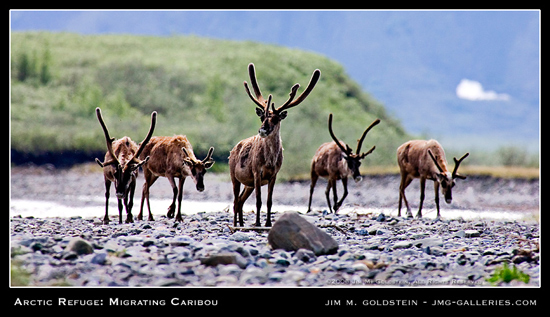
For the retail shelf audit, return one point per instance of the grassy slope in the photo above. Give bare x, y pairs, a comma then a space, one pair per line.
195, 84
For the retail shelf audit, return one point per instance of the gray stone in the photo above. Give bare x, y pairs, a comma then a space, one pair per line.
402, 245
239, 237
381, 232
224, 259
362, 232
100, 258
372, 230
181, 241
428, 242
305, 255
471, 233
79, 246
459, 234
292, 232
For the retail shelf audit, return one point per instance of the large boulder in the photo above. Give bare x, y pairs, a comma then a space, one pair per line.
292, 232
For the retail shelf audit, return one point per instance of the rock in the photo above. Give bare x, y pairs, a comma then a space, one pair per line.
305, 255
181, 241
393, 222
239, 237
292, 232
459, 234
79, 246
437, 251
224, 259
372, 230
428, 242
362, 232
381, 232
148, 243
381, 217
100, 258
471, 233
402, 245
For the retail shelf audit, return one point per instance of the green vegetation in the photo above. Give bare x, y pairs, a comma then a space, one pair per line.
19, 276
506, 274
195, 84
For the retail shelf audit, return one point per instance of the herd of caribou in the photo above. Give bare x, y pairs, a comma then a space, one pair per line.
255, 162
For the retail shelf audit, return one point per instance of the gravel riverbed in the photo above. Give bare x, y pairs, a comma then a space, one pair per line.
204, 251
375, 249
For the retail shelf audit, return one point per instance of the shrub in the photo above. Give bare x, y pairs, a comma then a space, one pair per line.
505, 274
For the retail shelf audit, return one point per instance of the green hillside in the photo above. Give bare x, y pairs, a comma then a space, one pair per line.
196, 86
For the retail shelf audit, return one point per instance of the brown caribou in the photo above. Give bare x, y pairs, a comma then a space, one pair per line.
426, 160
335, 162
172, 157
255, 161
121, 166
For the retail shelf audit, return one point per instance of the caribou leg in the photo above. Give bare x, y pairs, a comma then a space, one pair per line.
314, 178
436, 190
270, 187
345, 184
172, 208
107, 195
129, 203
180, 196
422, 194
150, 179
247, 191
258, 188
327, 194
405, 181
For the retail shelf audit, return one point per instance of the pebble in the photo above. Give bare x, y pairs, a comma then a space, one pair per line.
374, 250
402, 245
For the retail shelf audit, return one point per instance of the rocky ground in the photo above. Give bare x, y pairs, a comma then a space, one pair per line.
204, 251
374, 249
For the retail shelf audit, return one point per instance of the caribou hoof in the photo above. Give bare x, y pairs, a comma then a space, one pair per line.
171, 212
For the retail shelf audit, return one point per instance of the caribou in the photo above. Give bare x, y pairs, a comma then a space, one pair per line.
426, 160
334, 161
255, 161
121, 166
172, 157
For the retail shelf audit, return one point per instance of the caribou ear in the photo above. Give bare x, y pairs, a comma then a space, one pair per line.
283, 114
186, 159
188, 162
260, 112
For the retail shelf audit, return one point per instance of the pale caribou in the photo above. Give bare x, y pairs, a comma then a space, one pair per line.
255, 161
426, 160
172, 157
335, 162
121, 166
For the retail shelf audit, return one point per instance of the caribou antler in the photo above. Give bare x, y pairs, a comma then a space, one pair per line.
435, 161
360, 141
457, 163
108, 140
290, 103
146, 140
259, 99
346, 150
209, 155
261, 102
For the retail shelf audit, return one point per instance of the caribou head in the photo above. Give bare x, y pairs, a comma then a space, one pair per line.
353, 160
